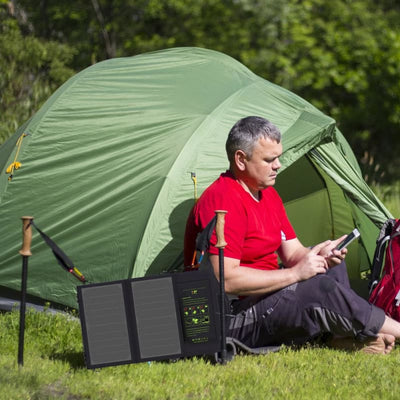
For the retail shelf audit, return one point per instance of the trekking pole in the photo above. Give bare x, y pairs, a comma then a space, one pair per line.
219, 230
25, 253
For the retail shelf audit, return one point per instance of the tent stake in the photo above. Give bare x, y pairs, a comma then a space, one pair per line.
219, 230
25, 253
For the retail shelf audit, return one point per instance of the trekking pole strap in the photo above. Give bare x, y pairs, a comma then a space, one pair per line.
62, 259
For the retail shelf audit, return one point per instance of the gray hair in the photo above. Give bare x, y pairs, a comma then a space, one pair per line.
246, 133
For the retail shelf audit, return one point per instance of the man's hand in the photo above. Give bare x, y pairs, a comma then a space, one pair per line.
312, 263
332, 256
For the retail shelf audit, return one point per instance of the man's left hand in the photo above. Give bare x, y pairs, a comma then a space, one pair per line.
333, 257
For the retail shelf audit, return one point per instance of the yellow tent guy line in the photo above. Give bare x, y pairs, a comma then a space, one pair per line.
194, 179
15, 164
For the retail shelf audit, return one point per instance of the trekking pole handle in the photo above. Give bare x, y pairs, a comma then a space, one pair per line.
26, 236
219, 229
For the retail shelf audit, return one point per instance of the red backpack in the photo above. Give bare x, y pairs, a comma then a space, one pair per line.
385, 287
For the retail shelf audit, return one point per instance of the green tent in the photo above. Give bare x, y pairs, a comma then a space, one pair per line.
107, 163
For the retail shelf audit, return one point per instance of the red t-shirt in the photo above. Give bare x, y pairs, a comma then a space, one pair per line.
253, 230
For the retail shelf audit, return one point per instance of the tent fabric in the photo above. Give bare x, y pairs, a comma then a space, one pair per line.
106, 167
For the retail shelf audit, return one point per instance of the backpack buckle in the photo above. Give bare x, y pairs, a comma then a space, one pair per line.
397, 298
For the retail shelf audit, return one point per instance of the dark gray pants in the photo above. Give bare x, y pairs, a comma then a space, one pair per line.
304, 311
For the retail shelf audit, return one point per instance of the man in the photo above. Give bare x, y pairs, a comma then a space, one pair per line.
311, 296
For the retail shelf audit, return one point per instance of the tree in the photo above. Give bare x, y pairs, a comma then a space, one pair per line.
343, 57
340, 55
30, 70
102, 29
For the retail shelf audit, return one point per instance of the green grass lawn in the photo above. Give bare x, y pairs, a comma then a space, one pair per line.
54, 369
390, 196
54, 366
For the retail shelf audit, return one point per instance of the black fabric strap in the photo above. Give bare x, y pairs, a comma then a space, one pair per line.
60, 256
379, 255
203, 238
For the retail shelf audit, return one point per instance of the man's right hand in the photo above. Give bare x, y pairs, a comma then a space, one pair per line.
312, 263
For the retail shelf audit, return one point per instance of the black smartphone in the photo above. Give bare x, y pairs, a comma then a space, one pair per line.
348, 239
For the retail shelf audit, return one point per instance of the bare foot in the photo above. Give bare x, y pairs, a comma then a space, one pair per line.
374, 345
389, 341
382, 344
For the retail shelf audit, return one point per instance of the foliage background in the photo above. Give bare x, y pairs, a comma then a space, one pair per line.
341, 55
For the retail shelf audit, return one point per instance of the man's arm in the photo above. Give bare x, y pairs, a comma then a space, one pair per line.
303, 263
293, 252
248, 281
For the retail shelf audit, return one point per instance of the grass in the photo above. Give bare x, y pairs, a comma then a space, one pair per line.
54, 369
54, 366
390, 196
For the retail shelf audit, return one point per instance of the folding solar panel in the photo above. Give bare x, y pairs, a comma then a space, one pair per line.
162, 317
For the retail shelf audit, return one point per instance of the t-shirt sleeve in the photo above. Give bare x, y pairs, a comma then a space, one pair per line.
235, 221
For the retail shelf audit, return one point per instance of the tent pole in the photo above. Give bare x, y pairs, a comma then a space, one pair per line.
25, 253
219, 230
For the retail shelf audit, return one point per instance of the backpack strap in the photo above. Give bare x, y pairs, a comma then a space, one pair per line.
376, 268
395, 233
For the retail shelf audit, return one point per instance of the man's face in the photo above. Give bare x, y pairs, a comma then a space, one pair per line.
262, 168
